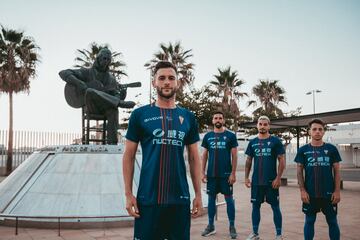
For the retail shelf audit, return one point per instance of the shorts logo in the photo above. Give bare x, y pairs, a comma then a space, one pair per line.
158, 132
181, 119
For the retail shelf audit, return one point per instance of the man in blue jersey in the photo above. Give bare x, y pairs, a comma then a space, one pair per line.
220, 150
320, 190
265, 150
162, 206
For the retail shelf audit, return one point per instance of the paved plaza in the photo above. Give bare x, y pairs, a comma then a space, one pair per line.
293, 218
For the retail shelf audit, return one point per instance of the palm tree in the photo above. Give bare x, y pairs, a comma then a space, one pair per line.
175, 54
269, 94
18, 59
228, 83
86, 58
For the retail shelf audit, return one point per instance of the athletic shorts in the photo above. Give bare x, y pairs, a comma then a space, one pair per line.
320, 204
260, 194
217, 185
159, 222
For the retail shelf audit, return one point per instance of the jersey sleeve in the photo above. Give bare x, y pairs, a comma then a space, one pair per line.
193, 135
249, 150
204, 142
279, 147
335, 155
300, 157
134, 133
234, 142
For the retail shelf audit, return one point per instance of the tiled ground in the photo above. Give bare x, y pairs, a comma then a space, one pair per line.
349, 219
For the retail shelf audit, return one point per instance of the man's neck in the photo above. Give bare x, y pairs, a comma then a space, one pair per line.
165, 102
219, 130
317, 143
263, 135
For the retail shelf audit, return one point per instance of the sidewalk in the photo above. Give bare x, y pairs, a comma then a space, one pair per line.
293, 219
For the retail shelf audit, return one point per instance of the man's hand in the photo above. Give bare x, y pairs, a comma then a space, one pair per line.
204, 178
232, 178
305, 196
276, 183
247, 182
197, 207
131, 206
335, 197
82, 86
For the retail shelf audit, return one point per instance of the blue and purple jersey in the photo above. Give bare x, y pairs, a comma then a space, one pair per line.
318, 164
219, 146
163, 134
264, 153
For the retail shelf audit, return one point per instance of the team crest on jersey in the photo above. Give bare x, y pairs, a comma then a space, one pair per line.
181, 119
224, 137
268, 143
326, 151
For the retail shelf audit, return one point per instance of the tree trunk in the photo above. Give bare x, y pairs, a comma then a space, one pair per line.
9, 160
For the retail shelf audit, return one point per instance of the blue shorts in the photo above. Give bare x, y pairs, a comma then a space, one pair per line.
159, 222
320, 204
217, 185
267, 193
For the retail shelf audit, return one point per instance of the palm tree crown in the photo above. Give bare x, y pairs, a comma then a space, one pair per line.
269, 94
86, 58
175, 54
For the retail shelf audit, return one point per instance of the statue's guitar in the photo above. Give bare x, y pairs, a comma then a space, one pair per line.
76, 97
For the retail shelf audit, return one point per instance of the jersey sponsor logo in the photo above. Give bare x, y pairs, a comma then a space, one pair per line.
262, 152
157, 118
217, 145
170, 137
158, 132
318, 161
181, 119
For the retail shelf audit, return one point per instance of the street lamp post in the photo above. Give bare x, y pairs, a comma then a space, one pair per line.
313, 91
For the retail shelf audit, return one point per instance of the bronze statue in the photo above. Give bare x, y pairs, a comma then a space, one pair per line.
97, 90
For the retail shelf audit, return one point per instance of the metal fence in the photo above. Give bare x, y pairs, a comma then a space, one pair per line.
26, 142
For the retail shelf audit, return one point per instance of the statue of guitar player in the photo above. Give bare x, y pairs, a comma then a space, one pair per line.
97, 90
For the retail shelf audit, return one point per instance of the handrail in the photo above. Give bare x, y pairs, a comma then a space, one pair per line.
17, 217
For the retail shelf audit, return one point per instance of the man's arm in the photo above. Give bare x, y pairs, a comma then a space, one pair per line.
128, 173
248, 164
335, 198
68, 76
204, 157
234, 158
300, 176
282, 164
195, 172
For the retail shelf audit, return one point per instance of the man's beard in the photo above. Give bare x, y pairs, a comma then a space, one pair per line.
167, 96
263, 131
218, 125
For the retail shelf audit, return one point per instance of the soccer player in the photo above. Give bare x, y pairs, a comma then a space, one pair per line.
265, 150
320, 191
220, 150
162, 206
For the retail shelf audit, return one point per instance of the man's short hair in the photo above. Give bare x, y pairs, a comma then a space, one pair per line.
318, 121
218, 112
263, 117
164, 64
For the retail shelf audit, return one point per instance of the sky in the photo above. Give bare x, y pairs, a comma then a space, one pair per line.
304, 44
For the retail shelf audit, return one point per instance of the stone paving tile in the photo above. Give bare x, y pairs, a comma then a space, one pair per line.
293, 220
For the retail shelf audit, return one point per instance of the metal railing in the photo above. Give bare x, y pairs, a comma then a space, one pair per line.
58, 218
26, 142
